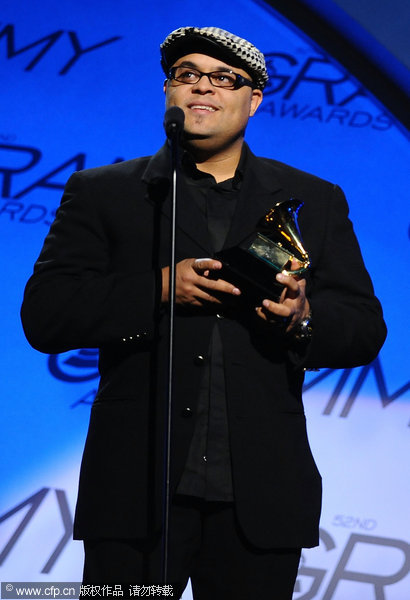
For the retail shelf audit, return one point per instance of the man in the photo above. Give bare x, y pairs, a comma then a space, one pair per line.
245, 492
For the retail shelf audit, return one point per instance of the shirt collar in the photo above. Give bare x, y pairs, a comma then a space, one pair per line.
200, 177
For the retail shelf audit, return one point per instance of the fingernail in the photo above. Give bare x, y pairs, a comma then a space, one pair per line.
266, 303
280, 276
236, 291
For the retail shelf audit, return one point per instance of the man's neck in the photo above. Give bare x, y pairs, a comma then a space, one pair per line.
221, 165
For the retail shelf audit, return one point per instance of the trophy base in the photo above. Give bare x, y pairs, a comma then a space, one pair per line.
252, 275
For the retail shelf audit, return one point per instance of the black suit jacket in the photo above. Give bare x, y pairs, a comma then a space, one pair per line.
97, 284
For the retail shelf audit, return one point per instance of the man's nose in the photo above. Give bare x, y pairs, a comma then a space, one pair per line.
203, 86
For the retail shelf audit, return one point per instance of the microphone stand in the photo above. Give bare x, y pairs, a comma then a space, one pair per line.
173, 129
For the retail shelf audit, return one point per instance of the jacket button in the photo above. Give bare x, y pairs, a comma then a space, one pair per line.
220, 316
199, 360
186, 412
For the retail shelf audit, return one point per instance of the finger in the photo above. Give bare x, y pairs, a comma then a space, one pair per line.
280, 310
290, 282
213, 293
261, 313
203, 264
294, 266
203, 297
217, 285
270, 317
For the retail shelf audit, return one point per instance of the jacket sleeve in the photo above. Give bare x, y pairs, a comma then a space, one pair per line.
348, 325
75, 298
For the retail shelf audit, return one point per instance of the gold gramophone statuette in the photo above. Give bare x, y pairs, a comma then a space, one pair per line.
279, 241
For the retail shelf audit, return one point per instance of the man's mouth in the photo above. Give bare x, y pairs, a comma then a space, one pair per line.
202, 107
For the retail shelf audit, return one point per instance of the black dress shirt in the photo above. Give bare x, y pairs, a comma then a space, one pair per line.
208, 472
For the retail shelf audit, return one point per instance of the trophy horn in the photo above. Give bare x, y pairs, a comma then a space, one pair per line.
279, 240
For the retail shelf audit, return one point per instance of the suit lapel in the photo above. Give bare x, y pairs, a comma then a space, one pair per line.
190, 220
259, 192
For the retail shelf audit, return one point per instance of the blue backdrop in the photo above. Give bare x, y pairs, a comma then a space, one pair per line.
82, 86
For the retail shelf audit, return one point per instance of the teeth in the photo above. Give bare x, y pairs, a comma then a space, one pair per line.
200, 106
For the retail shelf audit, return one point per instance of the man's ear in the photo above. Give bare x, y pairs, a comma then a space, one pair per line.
257, 97
165, 86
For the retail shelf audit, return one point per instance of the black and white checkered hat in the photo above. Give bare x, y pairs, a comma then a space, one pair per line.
218, 43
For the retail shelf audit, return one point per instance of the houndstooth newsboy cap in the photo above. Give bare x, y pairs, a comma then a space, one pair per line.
218, 43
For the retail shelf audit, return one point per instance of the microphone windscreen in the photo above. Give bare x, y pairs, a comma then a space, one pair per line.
174, 121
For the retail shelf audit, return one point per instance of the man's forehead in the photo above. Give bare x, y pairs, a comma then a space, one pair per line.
198, 61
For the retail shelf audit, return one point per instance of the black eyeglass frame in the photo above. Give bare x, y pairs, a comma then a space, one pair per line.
241, 81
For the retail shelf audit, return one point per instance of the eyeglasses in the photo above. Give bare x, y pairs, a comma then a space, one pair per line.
224, 79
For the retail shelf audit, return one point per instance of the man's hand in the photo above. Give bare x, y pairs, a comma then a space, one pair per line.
293, 305
192, 283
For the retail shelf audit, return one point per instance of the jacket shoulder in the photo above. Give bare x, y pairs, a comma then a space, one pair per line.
287, 173
134, 166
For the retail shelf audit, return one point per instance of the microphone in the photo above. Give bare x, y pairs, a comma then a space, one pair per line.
174, 122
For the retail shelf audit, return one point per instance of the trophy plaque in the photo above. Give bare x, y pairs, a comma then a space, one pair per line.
277, 243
